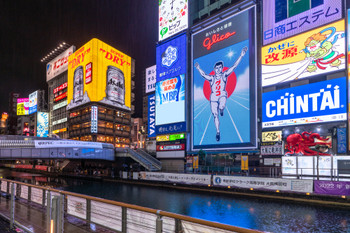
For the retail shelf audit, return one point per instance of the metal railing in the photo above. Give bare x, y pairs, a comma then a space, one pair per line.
69, 212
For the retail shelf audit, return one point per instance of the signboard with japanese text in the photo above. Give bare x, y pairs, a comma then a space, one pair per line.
170, 100
151, 116
22, 106
170, 86
271, 136
173, 17
151, 77
59, 64
42, 128
286, 18
171, 58
33, 102
94, 119
317, 103
97, 72
271, 148
315, 52
224, 84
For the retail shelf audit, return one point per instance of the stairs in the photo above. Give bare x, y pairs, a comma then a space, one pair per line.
143, 158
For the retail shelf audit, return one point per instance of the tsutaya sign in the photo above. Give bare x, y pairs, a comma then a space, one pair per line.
318, 102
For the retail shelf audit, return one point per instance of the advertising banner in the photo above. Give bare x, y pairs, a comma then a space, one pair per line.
171, 128
151, 116
66, 143
151, 77
60, 105
264, 183
24, 192
172, 147
42, 126
33, 102
315, 52
341, 141
94, 119
271, 148
223, 85
98, 72
332, 187
317, 103
271, 136
171, 58
22, 106
170, 86
285, 18
170, 100
173, 17
176, 178
59, 64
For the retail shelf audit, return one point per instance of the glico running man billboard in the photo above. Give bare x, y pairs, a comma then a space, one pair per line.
224, 84
170, 86
315, 52
285, 18
315, 103
98, 72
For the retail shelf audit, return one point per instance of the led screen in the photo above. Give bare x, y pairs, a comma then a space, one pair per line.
223, 85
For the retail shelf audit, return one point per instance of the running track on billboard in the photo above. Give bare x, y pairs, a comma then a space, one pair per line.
233, 127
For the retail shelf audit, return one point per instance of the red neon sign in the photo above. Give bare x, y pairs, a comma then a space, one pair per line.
61, 87
64, 95
208, 42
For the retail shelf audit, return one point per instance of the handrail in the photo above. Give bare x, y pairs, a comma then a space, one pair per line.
136, 156
159, 164
144, 209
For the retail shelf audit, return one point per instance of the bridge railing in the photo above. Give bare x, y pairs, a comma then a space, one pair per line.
71, 212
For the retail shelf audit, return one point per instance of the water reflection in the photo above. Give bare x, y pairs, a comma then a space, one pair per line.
265, 215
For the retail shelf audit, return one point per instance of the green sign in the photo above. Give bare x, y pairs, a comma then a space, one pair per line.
175, 137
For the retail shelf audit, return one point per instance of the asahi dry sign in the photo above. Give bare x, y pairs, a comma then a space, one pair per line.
98, 72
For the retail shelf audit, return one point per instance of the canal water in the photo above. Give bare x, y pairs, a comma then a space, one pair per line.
264, 215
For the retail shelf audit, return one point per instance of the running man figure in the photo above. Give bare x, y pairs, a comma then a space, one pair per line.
218, 94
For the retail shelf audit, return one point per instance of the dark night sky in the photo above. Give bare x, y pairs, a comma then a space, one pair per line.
30, 29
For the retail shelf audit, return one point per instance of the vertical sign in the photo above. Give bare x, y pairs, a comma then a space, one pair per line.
223, 85
151, 116
244, 163
33, 102
173, 17
151, 79
42, 128
341, 140
94, 118
170, 86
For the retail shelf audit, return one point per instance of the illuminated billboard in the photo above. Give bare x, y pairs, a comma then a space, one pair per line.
317, 103
22, 106
42, 127
286, 18
224, 84
170, 86
151, 116
59, 64
98, 72
315, 52
151, 76
173, 17
33, 102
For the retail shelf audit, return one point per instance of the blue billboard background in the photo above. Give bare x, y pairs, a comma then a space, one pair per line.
151, 116
235, 121
319, 99
171, 58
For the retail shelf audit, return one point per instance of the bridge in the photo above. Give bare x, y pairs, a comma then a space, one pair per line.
13, 147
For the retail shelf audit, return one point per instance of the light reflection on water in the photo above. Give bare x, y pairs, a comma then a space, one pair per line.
264, 215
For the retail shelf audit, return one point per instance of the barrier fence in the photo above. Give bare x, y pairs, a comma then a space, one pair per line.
59, 207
